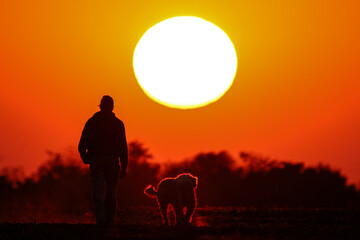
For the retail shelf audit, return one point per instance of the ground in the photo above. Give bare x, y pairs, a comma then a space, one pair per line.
208, 223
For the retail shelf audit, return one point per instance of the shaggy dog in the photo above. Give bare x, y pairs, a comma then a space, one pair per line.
178, 192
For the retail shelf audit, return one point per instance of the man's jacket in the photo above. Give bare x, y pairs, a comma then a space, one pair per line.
104, 134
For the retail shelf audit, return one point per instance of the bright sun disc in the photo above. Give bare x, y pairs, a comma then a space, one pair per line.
185, 62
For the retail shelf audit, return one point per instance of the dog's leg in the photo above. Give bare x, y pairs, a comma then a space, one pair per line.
189, 210
163, 210
179, 214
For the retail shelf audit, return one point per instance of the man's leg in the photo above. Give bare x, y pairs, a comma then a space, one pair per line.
97, 185
111, 178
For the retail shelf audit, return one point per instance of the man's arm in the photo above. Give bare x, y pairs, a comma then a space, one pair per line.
84, 144
123, 149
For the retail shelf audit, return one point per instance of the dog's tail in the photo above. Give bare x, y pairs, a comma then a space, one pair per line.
150, 191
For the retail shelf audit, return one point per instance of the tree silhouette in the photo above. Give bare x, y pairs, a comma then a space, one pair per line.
261, 182
264, 182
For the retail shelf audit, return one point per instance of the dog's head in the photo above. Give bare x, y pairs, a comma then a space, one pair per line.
187, 177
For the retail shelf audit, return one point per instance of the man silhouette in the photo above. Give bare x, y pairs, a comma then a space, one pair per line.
102, 143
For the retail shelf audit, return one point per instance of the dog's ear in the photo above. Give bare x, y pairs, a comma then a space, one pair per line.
195, 181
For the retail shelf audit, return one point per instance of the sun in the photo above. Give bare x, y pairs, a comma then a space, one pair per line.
185, 62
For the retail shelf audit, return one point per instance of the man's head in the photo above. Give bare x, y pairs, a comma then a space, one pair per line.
107, 103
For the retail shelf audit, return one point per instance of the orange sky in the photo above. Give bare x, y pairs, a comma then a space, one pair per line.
295, 96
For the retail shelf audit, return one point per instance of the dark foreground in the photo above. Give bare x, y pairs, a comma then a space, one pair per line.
208, 223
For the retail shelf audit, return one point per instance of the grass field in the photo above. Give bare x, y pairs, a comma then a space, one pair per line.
208, 223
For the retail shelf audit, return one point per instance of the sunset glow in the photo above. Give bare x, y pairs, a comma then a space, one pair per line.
185, 62
295, 95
